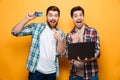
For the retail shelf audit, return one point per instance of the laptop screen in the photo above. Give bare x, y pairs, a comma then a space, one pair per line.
82, 49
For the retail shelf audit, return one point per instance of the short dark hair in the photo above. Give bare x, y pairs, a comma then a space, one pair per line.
77, 8
53, 8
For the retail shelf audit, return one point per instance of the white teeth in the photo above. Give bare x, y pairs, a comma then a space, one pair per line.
78, 21
52, 21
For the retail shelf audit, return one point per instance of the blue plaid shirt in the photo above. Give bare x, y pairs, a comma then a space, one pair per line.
35, 30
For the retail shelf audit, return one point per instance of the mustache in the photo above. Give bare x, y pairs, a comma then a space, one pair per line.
53, 20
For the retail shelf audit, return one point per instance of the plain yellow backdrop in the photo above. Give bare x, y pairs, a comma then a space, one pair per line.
104, 15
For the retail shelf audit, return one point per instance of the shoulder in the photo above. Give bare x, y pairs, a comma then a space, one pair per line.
90, 28
38, 26
72, 31
41, 24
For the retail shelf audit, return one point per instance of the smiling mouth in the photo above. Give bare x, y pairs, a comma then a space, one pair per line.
79, 21
53, 21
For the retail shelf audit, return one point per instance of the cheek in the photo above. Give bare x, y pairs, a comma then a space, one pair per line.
56, 18
74, 20
82, 18
48, 18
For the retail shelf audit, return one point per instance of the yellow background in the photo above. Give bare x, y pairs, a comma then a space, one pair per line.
104, 15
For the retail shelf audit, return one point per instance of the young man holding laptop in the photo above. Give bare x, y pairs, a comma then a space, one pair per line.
83, 69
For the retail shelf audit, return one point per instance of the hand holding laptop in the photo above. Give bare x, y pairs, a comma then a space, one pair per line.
86, 59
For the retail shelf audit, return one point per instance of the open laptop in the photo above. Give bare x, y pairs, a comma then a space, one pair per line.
82, 49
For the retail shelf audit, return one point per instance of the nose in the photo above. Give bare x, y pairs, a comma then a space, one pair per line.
79, 17
53, 17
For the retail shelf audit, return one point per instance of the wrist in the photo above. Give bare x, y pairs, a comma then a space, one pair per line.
60, 40
26, 20
74, 41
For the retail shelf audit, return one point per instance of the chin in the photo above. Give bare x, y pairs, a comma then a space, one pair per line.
79, 27
53, 26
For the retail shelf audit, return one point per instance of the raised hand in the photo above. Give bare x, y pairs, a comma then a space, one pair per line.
30, 15
75, 37
57, 35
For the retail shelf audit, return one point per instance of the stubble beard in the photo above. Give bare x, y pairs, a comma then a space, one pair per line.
52, 26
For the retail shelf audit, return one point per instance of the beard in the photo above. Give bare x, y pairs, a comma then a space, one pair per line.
52, 25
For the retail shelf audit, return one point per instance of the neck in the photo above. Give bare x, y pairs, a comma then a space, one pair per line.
79, 28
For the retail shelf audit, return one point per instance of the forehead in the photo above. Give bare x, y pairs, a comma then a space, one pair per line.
77, 12
52, 12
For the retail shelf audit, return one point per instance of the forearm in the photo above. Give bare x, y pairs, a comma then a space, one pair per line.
60, 47
20, 25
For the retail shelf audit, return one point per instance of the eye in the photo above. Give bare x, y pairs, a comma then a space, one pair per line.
50, 15
56, 15
75, 15
81, 14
